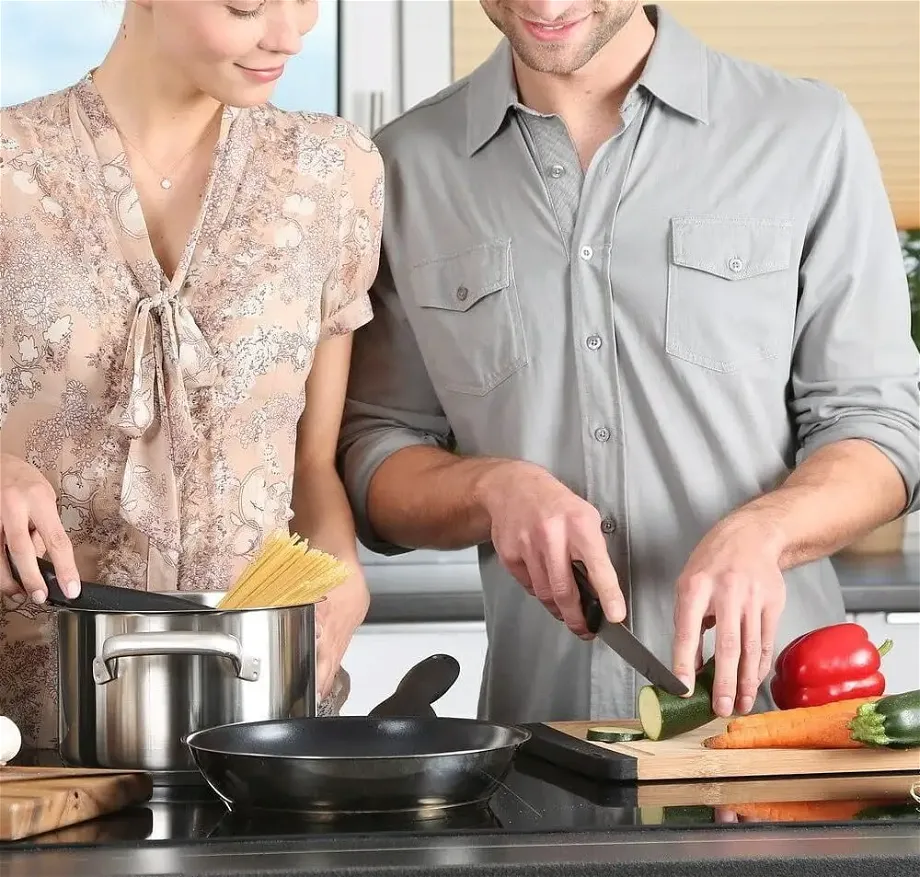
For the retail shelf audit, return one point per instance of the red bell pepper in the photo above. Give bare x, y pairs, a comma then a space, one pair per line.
828, 664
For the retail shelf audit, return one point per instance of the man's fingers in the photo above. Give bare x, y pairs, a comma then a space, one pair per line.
535, 573
692, 603
590, 549
728, 646
769, 623
47, 522
749, 667
557, 561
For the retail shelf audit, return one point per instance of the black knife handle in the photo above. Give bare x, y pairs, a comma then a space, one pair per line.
590, 605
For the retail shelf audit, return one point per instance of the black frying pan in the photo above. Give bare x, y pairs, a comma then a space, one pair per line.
401, 758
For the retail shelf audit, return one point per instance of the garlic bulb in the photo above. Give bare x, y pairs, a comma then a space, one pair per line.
10, 740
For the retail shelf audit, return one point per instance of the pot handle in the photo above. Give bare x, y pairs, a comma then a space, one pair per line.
176, 642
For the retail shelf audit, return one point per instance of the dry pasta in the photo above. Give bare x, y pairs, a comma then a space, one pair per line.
285, 572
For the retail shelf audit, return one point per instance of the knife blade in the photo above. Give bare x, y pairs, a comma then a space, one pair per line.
621, 640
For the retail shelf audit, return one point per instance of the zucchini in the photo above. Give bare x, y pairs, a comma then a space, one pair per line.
614, 734
690, 814
889, 813
892, 721
666, 715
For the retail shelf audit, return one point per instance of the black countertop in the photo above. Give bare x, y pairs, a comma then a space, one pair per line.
544, 821
442, 592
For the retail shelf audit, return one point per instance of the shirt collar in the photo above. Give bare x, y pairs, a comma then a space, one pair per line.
675, 73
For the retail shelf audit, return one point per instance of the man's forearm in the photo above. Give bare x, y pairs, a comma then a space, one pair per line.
424, 497
836, 496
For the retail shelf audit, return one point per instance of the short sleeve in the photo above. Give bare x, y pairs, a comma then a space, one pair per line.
346, 303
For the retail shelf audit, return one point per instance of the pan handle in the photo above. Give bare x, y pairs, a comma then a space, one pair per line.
173, 642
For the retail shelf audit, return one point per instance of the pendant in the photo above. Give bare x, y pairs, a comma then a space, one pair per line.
165, 184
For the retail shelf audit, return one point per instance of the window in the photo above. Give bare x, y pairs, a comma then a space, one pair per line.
46, 45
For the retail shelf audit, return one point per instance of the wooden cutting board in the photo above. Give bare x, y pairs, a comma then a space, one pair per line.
684, 758
34, 800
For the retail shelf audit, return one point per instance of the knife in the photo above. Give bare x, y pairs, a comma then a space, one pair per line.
620, 639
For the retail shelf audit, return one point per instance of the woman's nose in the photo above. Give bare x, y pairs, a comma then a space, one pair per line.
292, 19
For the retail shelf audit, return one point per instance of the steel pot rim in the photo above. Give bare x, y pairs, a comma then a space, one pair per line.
195, 610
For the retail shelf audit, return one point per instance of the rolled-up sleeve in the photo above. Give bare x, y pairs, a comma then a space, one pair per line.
390, 405
855, 369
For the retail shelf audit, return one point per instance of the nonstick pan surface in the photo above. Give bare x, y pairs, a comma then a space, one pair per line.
324, 767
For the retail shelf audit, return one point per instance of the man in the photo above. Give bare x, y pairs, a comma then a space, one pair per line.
642, 305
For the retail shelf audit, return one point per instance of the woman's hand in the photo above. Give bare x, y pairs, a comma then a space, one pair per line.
337, 618
30, 526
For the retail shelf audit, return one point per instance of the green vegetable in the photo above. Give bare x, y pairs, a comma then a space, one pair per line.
666, 715
889, 812
892, 721
682, 815
613, 734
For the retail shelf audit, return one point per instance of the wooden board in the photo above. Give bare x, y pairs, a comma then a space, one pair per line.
34, 800
685, 758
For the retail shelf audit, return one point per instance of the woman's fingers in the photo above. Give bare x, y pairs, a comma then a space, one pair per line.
9, 587
51, 531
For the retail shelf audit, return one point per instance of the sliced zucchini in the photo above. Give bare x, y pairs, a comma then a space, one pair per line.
614, 734
666, 715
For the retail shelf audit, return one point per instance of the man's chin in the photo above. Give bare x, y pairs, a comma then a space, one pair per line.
557, 60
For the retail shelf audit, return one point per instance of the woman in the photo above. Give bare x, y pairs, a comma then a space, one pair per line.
183, 265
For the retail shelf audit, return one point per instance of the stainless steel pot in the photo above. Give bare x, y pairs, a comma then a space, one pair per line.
133, 686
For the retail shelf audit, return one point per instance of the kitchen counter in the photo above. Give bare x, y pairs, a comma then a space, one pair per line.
447, 592
544, 822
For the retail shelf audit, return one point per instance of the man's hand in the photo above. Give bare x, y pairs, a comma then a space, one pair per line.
732, 582
337, 619
538, 527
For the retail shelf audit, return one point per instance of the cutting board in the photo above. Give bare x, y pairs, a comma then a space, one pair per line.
34, 800
684, 758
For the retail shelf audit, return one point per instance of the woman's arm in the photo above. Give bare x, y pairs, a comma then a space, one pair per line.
322, 514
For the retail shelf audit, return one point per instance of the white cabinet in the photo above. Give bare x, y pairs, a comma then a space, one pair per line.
901, 666
381, 654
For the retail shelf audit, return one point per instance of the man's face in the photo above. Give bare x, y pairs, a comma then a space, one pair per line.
558, 36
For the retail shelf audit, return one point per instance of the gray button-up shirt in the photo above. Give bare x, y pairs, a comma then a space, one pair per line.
720, 294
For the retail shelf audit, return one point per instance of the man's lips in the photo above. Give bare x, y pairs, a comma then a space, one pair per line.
551, 33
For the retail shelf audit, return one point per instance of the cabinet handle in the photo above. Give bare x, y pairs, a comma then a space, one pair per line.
902, 618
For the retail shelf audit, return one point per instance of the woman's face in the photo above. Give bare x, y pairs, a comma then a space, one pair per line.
232, 50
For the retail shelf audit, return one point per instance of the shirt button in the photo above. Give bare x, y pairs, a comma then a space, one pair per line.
735, 264
593, 342
556, 171
602, 434
462, 293
586, 253
608, 525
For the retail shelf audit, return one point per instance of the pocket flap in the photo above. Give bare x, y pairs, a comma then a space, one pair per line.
734, 249
457, 282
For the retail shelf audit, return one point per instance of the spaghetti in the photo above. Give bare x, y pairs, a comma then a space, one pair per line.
285, 572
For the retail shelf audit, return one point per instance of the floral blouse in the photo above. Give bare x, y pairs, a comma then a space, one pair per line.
164, 411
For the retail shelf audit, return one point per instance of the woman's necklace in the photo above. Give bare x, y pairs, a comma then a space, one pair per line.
165, 179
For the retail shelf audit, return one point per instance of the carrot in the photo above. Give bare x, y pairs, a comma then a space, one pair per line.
814, 727
841, 707
799, 811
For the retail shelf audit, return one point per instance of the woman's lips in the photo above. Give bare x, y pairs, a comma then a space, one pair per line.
551, 33
265, 74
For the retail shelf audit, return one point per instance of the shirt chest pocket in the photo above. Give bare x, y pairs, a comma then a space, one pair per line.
731, 295
468, 318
